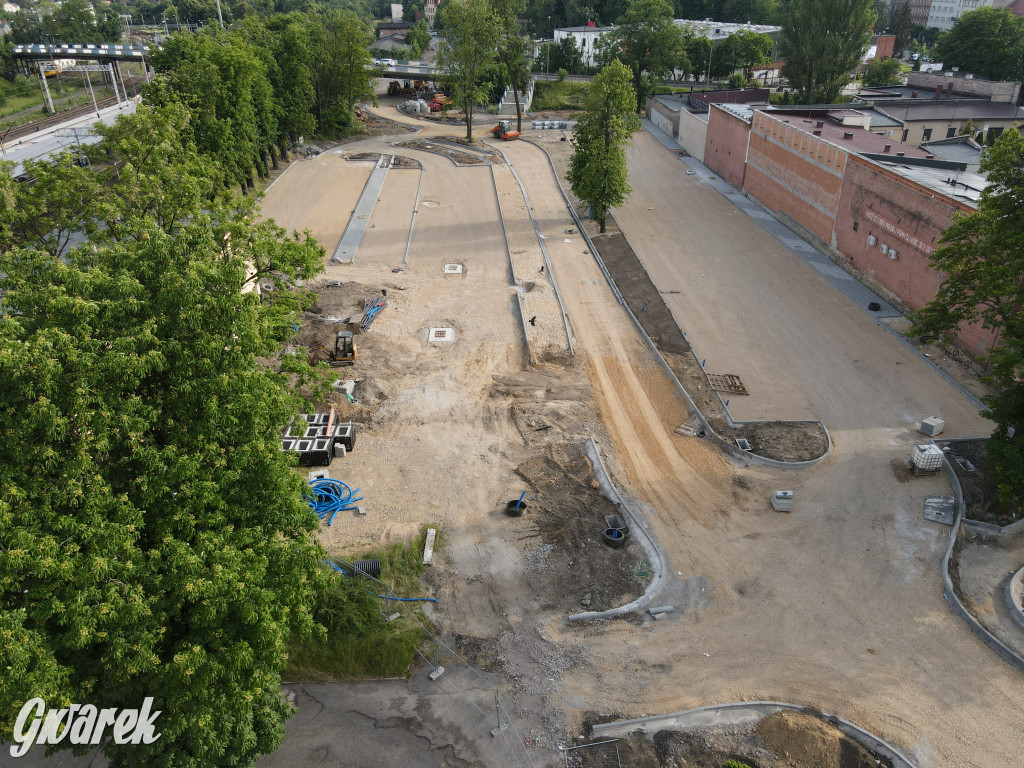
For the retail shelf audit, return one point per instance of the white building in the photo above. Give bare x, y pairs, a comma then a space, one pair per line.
11, 8
586, 37
586, 40
944, 13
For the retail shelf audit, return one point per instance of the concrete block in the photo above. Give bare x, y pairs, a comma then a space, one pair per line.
437, 673
428, 546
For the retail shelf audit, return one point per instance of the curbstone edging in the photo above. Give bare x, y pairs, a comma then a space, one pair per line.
650, 545
1014, 593
746, 712
543, 250
743, 456
949, 593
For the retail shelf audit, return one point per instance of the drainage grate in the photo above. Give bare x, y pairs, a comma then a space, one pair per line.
453, 269
441, 335
727, 382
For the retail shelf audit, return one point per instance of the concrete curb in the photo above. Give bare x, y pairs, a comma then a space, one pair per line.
950, 594
511, 267
544, 250
651, 547
1014, 592
415, 210
743, 456
747, 712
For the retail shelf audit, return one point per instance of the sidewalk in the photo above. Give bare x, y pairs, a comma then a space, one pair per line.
888, 317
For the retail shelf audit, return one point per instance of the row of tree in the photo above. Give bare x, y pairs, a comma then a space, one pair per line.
258, 86
153, 539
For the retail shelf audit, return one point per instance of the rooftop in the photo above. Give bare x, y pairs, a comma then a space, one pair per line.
849, 137
950, 109
963, 186
960, 149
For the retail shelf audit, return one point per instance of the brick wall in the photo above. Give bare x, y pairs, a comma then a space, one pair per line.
902, 216
795, 173
726, 147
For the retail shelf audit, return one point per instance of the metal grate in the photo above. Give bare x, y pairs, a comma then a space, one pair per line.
727, 382
441, 335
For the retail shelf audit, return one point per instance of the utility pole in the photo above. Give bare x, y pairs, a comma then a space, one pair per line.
547, 64
219, 17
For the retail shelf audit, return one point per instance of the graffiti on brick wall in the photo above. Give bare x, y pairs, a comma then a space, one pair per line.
902, 234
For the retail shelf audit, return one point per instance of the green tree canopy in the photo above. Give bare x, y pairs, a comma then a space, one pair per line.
565, 54
822, 41
988, 42
879, 72
153, 539
514, 68
746, 50
899, 25
597, 169
225, 85
647, 42
469, 35
418, 39
981, 260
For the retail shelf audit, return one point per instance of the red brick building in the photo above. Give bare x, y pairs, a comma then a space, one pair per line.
835, 182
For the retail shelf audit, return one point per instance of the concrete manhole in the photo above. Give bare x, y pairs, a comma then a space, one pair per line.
441, 335
452, 269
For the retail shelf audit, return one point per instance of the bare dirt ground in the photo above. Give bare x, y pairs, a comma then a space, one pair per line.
982, 567
837, 605
781, 740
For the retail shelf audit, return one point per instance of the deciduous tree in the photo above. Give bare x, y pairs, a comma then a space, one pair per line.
822, 41
469, 35
647, 42
153, 539
597, 170
981, 260
515, 69
988, 41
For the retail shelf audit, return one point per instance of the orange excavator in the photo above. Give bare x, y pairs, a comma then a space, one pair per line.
503, 130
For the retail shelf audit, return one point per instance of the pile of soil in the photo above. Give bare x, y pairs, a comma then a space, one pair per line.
778, 440
459, 158
784, 740
800, 740
568, 564
981, 497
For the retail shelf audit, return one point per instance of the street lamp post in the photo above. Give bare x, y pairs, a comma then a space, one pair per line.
547, 63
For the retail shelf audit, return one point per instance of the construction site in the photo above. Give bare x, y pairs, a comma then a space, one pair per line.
673, 466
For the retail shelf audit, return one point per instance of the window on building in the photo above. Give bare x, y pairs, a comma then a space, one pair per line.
950, 133
994, 133
927, 135
905, 132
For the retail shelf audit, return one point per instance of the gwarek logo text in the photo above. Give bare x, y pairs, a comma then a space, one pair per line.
82, 724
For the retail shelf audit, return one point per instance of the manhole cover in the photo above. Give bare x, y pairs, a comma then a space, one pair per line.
453, 269
727, 382
441, 335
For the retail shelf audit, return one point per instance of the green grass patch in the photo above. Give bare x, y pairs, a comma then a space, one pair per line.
553, 95
360, 642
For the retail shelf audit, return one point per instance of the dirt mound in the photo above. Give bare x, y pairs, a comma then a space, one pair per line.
803, 741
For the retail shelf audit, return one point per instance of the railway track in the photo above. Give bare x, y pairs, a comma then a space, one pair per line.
50, 121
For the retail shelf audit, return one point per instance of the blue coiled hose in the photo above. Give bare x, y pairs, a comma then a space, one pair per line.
332, 496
